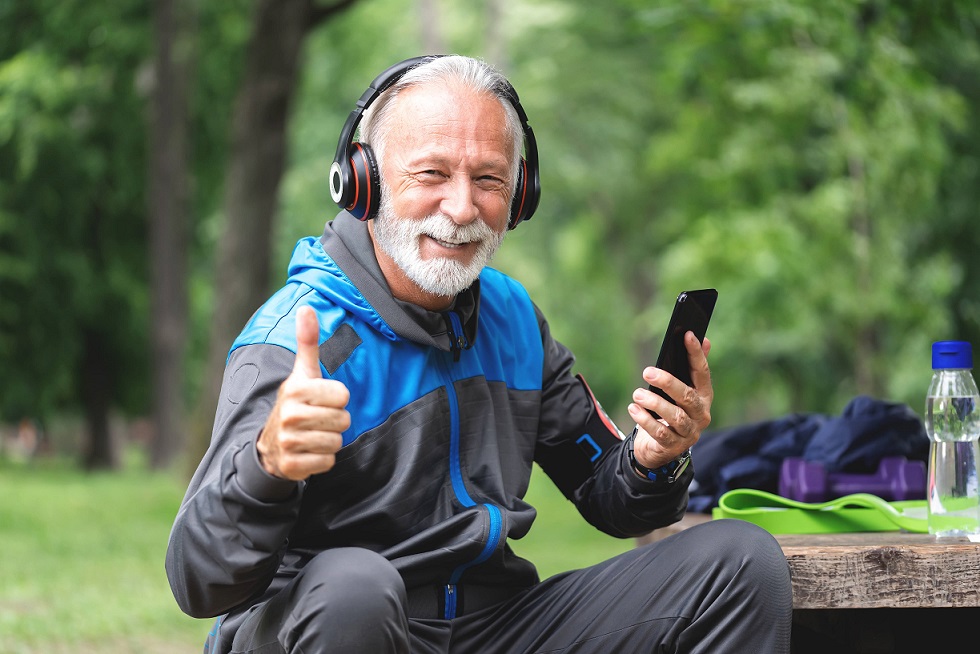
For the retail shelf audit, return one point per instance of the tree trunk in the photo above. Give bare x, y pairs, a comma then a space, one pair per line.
432, 38
496, 41
100, 452
255, 169
168, 213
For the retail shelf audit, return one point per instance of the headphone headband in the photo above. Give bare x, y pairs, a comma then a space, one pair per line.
354, 176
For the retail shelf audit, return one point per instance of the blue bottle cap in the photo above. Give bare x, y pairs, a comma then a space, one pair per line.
952, 355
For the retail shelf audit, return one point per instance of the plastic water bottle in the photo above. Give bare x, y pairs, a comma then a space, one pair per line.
953, 424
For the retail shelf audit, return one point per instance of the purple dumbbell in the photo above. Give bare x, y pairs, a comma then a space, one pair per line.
897, 478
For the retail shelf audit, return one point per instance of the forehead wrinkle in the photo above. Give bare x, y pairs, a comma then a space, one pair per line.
443, 121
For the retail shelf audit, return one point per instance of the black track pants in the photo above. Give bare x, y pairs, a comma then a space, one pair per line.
719, 587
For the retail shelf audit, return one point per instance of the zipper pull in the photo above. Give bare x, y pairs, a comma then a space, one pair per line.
457, 339
450, 611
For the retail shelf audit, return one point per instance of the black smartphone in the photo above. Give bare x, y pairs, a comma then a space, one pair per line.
692, 311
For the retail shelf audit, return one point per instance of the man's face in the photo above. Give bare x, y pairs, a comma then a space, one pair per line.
444, 212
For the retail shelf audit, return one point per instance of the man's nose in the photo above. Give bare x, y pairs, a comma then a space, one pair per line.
459, 201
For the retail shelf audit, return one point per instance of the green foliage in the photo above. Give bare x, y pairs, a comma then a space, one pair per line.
71, 203
815, 148
73, 263
816, 162
819, 163
790, 154
827, 144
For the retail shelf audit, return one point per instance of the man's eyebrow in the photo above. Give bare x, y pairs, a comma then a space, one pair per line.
427, 158
494, 164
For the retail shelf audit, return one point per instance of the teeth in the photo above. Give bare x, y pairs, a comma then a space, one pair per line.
447, 244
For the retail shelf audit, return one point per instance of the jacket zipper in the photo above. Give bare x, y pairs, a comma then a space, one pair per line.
457, 338
459, 488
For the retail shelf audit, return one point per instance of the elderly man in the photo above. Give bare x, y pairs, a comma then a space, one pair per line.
381, 413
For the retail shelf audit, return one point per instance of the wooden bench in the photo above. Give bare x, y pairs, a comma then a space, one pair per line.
873, 569
876, 592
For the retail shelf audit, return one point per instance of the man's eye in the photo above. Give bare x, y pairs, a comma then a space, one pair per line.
490, 181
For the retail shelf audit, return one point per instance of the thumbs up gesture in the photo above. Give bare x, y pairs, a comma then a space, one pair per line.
302, 434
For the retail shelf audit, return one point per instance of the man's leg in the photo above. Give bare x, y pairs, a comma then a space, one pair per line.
722, 586
346, 600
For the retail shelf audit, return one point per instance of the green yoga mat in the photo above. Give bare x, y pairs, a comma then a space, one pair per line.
850, 513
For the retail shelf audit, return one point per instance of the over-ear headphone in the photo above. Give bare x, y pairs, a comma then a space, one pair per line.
355, 182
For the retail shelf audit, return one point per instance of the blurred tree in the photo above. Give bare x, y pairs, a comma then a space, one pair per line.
788, 153
72, 264
75, 103
432, 36
802, 170
947, 38
169, 220
256, 164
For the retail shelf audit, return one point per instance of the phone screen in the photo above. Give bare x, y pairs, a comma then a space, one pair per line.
692, 312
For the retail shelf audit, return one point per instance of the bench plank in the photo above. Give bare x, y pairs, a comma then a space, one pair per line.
882, 570
872, 569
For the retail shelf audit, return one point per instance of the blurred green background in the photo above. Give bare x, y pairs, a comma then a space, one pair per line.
817, 162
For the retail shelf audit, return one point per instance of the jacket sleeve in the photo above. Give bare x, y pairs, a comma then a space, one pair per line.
584, 453
230, 532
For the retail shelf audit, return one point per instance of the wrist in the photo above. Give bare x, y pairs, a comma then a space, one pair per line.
663, 475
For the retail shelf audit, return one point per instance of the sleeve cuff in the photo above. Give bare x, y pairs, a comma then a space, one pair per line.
260, 484
642, 485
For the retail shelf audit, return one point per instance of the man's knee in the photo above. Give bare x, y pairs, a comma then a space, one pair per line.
736, 539
353, 581
733, 565
345, 600
745, 541
727, 551
748, 552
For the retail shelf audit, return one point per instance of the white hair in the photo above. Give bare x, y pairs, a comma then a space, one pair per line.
467, 72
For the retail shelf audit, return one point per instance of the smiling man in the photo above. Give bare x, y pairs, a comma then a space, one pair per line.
380, 415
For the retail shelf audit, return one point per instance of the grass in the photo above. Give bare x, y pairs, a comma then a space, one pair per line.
81, 563
81, 558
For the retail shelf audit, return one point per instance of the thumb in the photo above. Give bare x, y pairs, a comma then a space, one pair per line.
307, 344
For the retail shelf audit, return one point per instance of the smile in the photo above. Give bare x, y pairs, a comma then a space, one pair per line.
449, 244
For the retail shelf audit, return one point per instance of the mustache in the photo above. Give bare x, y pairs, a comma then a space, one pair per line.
441, 227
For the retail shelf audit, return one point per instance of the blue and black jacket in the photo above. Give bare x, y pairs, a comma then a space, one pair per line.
448, 412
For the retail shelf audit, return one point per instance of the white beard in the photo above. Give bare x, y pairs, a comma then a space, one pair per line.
399, 238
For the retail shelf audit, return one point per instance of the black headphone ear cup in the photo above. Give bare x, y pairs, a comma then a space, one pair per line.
520, 196
367, 182
523, 203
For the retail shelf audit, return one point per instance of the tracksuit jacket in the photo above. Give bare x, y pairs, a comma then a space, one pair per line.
448, 412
